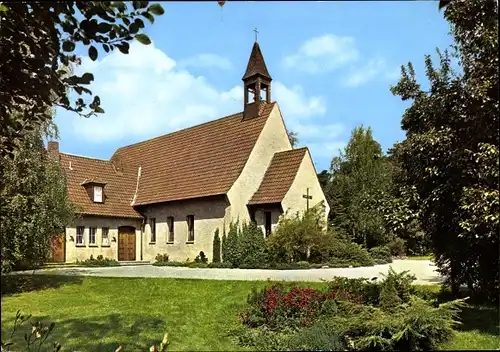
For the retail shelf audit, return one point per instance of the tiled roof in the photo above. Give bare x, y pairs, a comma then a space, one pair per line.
118, 191
279, 177
256, 64
200, 161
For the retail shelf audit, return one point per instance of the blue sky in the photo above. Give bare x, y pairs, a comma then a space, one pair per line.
332, 64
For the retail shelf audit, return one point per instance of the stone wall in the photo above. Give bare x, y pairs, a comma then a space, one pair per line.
209, 214
82, 252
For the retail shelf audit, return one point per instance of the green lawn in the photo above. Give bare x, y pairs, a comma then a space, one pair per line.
99, 314
421, 257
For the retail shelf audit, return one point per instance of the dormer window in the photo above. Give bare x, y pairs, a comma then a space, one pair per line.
97, 194
95, 190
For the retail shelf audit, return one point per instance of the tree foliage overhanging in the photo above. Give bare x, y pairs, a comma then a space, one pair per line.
38, 42
450, 155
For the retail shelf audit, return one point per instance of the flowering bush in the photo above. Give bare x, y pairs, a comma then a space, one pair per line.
277, 307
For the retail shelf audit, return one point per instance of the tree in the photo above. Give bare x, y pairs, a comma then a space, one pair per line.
399, 207
450, 154
33, 202
324, 179
293, 137
39, 41
359, 177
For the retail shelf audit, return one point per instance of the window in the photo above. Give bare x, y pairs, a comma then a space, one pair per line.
190, 223
105, 236
152, 226
268, 222
79, 235
92, 236
97, 194
170, 223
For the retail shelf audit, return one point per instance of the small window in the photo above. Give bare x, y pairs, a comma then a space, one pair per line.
97, 194
152, 226
79, 235
170, 224
268, 222
92, 235
105, 236
190, 223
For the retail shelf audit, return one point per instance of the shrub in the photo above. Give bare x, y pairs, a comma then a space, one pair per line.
262, 338
161, 257
397, 247
100, 261
196, 265
171, 263
353, 314
220, 265
252, 247
216, 247
318, 337
201, 258
297, 236
413, 326
277, 307
348, 253
381, 255
230, 249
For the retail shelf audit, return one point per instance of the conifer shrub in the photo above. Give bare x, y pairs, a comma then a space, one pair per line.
381, 254
231, 249
216, 249
201, 258
252, 247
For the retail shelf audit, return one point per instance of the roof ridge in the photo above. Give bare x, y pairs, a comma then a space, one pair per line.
185, 129
83, 156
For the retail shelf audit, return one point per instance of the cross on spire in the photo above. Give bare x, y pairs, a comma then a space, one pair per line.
256, 33
307, 197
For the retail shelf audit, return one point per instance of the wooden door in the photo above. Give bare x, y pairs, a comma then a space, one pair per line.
57, 249
126, 243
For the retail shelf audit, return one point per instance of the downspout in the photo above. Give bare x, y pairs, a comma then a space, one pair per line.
132, 204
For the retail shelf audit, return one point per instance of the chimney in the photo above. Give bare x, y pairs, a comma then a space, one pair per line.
53, 149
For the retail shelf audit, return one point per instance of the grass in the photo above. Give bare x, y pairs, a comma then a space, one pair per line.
99, 314
421, 257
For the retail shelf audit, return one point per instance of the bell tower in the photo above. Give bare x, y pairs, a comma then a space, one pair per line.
256, 82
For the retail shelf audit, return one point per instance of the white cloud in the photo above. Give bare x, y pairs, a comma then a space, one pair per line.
374, 68
326, 149
323, 54
206, 60
294, 102
146, 93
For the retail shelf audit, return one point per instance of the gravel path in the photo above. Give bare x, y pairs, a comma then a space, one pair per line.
424, 270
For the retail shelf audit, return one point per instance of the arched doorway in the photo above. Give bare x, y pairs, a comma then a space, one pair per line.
126, 243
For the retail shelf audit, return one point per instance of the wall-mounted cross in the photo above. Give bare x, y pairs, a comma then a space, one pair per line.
256, 33
307, 197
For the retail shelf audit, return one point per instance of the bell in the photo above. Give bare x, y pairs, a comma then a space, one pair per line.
221, 3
